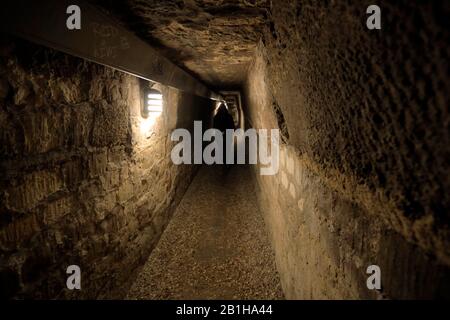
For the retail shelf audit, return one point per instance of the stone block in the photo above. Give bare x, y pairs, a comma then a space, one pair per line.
73, 172
58, 208
90, 190
105, 204
44, 131
113, 91
82, 119
35, 187
111, 178
98, 162
97, 89
111, 125
19, 230
125, 192
124, 171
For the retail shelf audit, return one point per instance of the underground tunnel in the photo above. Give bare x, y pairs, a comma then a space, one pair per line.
118, 180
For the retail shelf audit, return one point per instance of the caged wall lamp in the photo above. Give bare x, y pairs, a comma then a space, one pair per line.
153, 103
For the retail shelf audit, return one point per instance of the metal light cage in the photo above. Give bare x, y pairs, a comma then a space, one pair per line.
153, 106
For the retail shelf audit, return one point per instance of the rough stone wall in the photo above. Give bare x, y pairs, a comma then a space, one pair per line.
85, 179
364, 173
212, 39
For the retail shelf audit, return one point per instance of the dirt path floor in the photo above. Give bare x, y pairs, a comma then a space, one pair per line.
215, 246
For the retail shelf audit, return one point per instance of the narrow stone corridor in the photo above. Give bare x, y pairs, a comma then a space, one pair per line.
117, 117
215, 246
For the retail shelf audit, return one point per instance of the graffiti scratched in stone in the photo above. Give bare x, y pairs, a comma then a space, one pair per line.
109, 43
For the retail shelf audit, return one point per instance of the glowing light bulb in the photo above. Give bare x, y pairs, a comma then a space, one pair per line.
154, 103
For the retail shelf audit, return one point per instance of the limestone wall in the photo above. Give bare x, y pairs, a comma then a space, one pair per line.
85, 179
364, 122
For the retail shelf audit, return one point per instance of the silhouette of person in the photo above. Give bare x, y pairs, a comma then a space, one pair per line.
223, 121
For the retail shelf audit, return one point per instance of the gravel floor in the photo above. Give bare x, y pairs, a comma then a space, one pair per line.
215, 246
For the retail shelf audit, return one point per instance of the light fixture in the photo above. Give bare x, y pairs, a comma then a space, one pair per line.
153, 103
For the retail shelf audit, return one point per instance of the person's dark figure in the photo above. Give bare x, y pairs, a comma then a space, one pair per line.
223, 121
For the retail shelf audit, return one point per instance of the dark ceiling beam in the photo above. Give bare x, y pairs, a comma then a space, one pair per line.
101, 39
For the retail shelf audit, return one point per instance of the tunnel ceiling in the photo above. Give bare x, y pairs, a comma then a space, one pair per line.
212, 39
